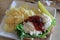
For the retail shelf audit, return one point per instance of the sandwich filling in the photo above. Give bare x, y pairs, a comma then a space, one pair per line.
36, 24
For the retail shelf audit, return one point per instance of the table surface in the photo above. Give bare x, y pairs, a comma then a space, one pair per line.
4, 4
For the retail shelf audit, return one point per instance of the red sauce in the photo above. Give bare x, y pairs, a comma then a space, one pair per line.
37, 22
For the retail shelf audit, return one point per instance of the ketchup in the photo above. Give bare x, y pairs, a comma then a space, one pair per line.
37, 22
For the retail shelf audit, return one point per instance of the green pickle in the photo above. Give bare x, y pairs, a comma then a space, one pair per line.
44, 10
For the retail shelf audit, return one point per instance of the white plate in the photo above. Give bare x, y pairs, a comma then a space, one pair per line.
17, 4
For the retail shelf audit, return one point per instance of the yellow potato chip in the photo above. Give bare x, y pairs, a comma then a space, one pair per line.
9, 20
19, 19
9, 27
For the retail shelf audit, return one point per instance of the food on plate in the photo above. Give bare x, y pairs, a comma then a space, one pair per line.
38, 25
29, 22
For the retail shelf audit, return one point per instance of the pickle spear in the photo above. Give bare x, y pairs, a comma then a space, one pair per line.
44, 10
